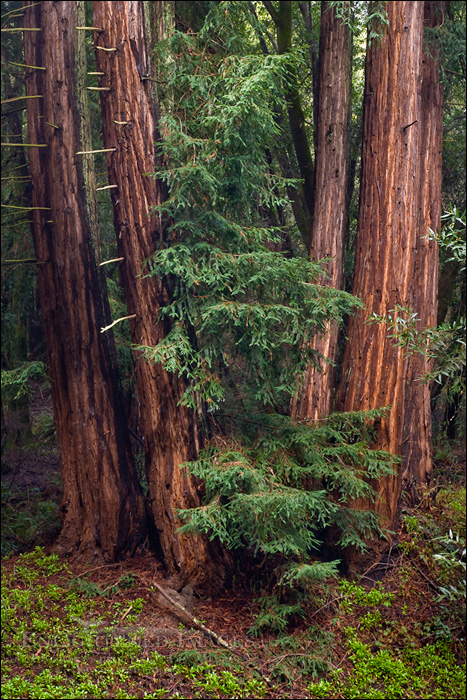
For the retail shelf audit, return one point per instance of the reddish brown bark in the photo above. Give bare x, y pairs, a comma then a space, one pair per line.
103, 510
418, 465
171, 432
374, 370
330, 197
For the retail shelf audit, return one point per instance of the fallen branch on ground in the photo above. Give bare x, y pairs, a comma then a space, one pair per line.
217, 639
196, 623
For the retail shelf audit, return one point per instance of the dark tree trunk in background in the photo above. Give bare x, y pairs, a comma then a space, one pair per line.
283, 20
375, 371
171, 432
102, 509
418, 465
18, 341
330, 216
164, 19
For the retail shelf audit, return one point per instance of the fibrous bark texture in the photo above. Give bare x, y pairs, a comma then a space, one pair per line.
330, 198
171, 432
418, 466
102, 509
374, 369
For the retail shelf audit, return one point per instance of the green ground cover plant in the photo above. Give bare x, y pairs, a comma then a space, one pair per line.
65, 634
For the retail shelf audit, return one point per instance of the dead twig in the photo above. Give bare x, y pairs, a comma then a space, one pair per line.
103, 566
334, 600
125, 614
217, 639
429, 581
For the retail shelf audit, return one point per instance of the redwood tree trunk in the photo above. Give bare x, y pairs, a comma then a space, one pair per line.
103, 510
171, 432
418, 465
330, 206
375, 371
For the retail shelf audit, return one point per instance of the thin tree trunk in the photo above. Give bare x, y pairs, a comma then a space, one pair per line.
171, 432
375, 371
330, 208
418, 465
285, 152
282, 18
164, 19
305, 9
102, 509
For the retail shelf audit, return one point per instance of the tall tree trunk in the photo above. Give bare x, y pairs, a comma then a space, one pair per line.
102, 509
418, 466
375, 371
171, 432
283, 20
330, 208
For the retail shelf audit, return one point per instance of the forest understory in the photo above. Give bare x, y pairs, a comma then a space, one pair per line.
395, 631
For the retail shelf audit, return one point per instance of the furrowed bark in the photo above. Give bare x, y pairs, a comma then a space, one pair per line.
171, 432
374, 370
330, 207
418, 465
102, 509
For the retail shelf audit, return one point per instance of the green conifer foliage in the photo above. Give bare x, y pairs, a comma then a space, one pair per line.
251, 307
242, 313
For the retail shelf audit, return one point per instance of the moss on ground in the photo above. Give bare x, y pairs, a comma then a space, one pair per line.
101, 633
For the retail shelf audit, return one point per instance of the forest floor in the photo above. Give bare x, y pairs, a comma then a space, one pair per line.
68, 631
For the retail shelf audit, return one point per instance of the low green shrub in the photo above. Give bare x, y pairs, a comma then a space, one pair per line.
277, 497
